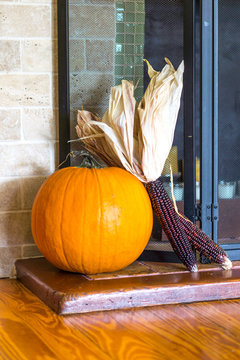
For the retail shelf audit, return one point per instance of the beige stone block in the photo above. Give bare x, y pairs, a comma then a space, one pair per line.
90, 90
76, 55
39, 55
8, 256
76, 2
100, 55
15, 228
54, 91
97, 2
10, 196
25, 20
24, 159
38, 1
30, 251
30, 187
92, 21
54, 22
10, 126
24, 89
39, 124
9, 55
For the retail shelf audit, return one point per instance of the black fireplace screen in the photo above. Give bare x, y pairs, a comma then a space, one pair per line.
102, 42
229, 123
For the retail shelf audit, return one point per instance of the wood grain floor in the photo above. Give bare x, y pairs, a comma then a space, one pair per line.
200, 331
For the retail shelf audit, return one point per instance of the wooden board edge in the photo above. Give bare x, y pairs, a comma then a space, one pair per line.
50, 297
150, 297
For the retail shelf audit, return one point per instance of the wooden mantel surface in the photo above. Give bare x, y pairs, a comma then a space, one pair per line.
140, 284
29, 330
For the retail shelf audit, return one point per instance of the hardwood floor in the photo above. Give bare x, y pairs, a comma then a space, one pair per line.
30, 330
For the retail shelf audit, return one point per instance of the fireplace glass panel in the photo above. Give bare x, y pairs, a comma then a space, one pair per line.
229, 122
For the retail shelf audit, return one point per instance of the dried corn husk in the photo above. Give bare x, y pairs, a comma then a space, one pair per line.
136, 137
139, 138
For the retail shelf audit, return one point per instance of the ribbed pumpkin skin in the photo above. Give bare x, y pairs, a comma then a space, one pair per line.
91, 220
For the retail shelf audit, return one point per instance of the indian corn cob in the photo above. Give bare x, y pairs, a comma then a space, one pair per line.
170, 223
138, 137
204, 244
189, 233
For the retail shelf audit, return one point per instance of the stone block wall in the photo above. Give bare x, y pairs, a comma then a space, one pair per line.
28, 118
28, 94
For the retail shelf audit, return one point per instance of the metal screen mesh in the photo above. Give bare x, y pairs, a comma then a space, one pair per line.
108, 41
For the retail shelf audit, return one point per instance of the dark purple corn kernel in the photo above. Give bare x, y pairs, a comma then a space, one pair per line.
202, 242
170, 223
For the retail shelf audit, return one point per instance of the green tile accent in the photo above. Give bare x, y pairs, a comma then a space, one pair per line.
119, 59
139, 69
130, 17
130, 28
129, 46
140, 7
120, 6
129, 70
120, 16
120, 38
139, 80
138, 60
119, 28
139, 39
129, 59
140, 29
119, 70
119, 48
118, 80
129, 77
138, 93
129, 39
129, 49
130, 6
139, 49
140, 18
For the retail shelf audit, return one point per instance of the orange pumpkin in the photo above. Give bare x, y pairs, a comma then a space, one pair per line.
91, 220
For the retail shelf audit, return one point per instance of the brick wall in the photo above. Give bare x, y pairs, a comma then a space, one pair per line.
28, 118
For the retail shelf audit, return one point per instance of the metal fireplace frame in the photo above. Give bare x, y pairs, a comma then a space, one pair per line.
207, 210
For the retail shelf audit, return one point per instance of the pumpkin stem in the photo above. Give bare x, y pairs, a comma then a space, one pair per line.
89, 161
